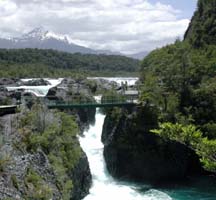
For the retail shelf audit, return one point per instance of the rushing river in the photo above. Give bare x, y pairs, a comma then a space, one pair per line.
105, 187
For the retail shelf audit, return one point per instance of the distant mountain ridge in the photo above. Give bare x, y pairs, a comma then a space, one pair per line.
139, 56
42, 39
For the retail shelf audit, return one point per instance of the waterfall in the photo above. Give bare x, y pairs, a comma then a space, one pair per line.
104, 186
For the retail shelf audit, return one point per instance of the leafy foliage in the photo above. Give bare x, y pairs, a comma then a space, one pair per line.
192, 137
181, 81
37, 189
187, 134
207, 151
202, 27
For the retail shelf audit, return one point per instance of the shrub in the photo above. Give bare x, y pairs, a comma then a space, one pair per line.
187, 134
4, 160
191, 136
36, 187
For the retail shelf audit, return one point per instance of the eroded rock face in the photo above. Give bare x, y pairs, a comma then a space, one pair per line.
82, 179
132, 153
24, 162
14, 171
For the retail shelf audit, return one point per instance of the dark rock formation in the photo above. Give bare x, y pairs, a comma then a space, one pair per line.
8, 81
82, 179
132, 153
6, 97
35, 82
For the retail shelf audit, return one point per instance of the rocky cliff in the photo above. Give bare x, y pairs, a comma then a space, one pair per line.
132, 153
32, 174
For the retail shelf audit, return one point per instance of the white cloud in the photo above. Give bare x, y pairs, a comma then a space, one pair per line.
119, 25
7, 8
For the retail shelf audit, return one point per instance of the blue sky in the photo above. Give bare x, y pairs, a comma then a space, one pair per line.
127, 26
186, 6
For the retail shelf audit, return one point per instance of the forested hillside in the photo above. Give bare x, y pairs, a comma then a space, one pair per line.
202, 29
181, 80
35, 62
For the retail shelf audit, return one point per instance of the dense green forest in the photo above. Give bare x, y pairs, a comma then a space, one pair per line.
202, 29
37, 63
180, 79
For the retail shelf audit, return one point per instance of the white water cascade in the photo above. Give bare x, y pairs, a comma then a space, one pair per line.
105, 187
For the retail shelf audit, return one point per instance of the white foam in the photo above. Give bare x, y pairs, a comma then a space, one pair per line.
39, 91
130, 80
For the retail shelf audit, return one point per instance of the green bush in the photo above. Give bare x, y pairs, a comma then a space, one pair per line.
192, 137
187, 134
207, 150
209, 130
36, 187
4, 160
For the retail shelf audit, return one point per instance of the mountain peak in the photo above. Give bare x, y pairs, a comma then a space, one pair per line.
40, 34
37, 33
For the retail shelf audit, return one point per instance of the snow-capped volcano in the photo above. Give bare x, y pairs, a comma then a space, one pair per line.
44, 39
41, 34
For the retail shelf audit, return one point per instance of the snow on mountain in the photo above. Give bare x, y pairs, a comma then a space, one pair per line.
44, 39
50, 34
41, 34
37, 33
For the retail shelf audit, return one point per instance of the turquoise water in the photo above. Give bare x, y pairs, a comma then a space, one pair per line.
202, 188
195, 189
